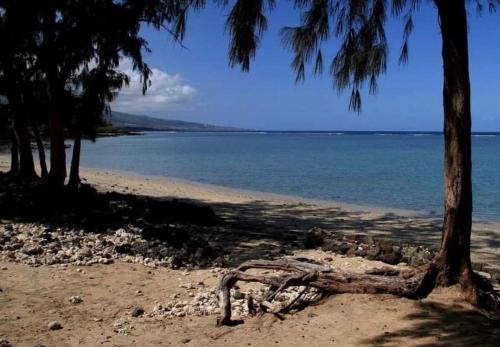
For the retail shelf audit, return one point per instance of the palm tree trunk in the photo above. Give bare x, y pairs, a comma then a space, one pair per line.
41, 151
74, 174
14, 154
454, 257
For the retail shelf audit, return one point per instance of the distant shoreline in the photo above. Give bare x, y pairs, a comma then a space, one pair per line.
138, 130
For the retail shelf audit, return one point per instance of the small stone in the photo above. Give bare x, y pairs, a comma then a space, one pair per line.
138, 292
185, 341
75, 299
55, 325
4, 268
238, 295
4, 342
137, 312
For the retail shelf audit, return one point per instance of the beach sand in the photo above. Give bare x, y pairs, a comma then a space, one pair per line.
31, 297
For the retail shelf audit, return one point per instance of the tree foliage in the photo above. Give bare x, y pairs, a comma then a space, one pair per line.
357, 25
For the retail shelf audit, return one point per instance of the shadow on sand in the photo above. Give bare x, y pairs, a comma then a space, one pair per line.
438, 324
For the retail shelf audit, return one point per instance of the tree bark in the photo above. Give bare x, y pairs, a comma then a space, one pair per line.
14, 154
26, 163
74, 174
57, 174
453, 260
41, 151
294, 273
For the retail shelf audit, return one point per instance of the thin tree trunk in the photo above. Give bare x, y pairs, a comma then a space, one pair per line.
26, 163
453, 259
41, 151
57, 174
14, 154
74, 174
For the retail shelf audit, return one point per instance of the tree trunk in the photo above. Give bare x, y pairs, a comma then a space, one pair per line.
74, 174
26, 163
453, 259
41, 151
14, 154
57, 174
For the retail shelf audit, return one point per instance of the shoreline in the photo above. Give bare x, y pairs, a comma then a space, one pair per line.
245, 195
295, 214
248, 194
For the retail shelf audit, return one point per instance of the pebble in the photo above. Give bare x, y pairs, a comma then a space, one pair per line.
137, 312
4, 342
55, 325
75, 299
238, 295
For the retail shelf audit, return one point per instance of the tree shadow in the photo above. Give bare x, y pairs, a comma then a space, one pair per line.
259, 229
438, 324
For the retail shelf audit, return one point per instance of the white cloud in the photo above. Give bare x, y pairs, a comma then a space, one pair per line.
166, 93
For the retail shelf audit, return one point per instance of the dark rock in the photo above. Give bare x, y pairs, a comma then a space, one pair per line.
4, 342
137, 312
314, 238
33, 250
392, 258
238, 295
174, 236
55, 325
185, 341
124, 248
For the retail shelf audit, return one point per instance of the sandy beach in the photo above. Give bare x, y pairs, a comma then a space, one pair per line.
281, 213
31, 297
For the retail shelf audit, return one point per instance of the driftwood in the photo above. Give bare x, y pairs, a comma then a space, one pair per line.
415, 284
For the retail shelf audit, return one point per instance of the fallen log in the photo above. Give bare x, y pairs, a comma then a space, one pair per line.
294, 273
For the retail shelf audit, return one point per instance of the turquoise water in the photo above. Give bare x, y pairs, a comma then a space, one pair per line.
386, 170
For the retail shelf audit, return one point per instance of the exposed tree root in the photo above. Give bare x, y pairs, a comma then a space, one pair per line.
415, 284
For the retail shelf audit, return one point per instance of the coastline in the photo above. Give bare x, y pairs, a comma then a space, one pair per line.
400, 225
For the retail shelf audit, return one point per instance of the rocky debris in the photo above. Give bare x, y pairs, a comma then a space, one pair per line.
41, 244
55, 325
205, 302
369, 247
137, 312
4, 342
122, 326
185, 341
75, 300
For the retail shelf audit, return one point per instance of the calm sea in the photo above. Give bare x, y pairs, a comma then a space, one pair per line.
393, 170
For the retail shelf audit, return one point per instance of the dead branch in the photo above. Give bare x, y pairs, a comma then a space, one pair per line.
294, 273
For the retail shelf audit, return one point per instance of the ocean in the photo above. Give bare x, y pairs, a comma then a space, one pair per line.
382, 169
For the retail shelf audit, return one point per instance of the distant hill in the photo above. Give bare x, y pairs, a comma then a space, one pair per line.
134, 122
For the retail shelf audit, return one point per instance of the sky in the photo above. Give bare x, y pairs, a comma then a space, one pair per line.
194, 82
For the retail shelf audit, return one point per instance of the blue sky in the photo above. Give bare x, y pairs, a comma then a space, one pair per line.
196, 83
